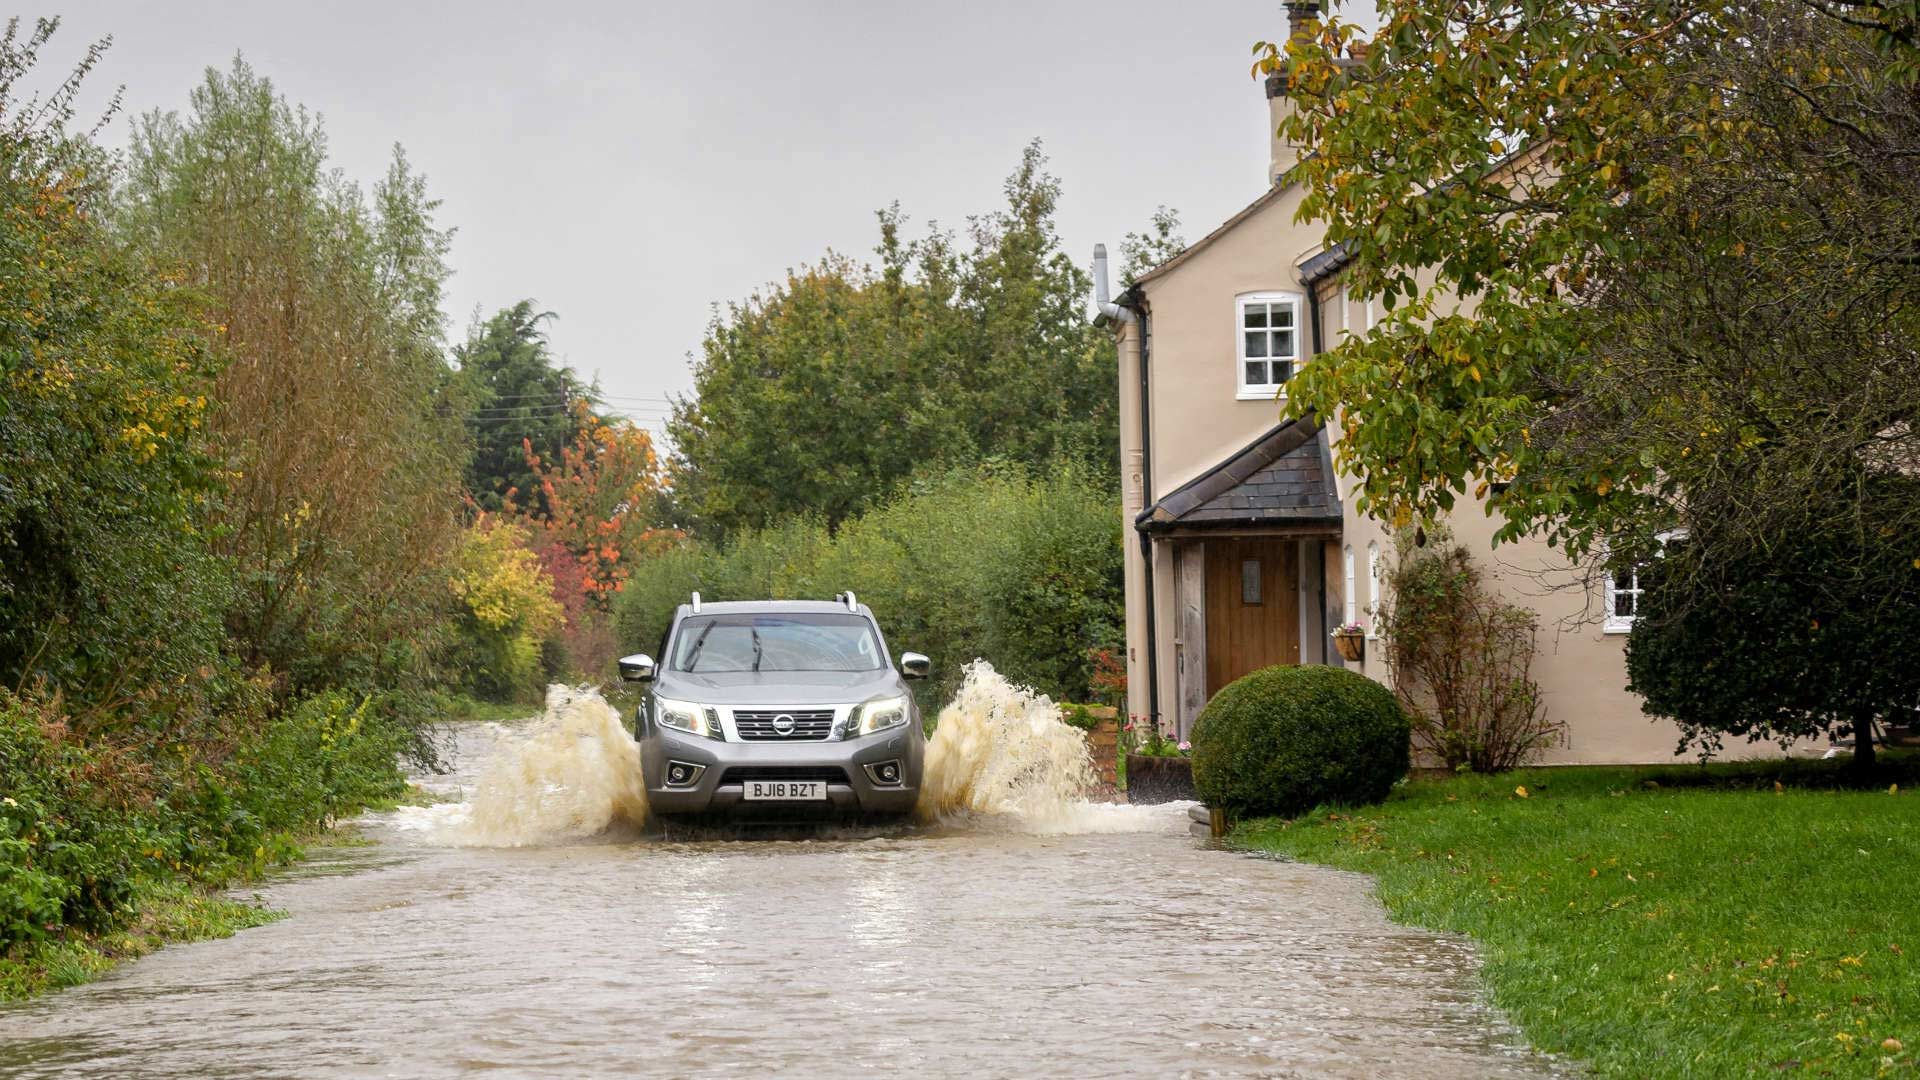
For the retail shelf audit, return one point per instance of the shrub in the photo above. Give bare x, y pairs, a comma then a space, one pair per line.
982, 563
67, 854
1461, 660
1808, 634
507, 610
328, 755
1286, 739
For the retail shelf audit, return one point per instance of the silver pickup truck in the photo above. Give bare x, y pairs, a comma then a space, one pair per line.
783, 710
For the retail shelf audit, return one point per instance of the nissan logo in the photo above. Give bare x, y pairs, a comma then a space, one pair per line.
783, 723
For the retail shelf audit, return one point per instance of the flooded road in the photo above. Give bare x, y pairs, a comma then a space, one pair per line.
1110, 945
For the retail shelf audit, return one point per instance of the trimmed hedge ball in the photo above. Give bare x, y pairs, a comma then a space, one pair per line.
1286, 739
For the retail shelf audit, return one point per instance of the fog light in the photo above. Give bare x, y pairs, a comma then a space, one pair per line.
680, 773
887, 772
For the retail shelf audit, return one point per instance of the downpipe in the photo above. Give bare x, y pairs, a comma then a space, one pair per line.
1109, 311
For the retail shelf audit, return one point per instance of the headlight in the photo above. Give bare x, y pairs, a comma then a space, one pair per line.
879, 715
688, 717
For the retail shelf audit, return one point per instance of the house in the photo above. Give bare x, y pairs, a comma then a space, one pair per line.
1245, 548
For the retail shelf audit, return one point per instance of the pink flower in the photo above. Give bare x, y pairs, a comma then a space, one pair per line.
1185, 745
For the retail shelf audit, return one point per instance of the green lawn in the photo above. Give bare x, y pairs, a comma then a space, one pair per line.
1673, 922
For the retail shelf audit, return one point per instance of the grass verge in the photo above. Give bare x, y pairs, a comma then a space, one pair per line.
1672, 922
170, 912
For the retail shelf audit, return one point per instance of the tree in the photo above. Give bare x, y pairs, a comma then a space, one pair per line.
108, 589
1160, 242
507, 609
1792, 639
1647, 266
514, 395
828, 391
603, 499
342, 459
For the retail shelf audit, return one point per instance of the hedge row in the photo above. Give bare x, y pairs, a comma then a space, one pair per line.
990, 563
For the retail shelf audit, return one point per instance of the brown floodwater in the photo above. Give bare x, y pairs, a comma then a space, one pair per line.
1099, 941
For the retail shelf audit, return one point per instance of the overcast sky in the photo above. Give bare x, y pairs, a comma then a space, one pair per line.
629, 165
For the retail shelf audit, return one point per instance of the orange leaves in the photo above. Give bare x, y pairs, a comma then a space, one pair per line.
597, 498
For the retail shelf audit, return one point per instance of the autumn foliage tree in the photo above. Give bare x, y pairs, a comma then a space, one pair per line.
1648, 266
592, 513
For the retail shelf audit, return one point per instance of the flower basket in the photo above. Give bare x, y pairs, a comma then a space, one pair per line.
1352, 644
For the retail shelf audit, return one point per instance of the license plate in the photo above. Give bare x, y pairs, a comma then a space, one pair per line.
785, 790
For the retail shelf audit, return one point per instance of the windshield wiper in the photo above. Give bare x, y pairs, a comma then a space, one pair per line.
756, 647
698, 644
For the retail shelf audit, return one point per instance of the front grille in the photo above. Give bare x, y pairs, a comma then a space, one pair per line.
759, 726
740, 774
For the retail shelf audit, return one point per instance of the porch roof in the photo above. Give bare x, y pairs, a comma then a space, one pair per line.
1285, 477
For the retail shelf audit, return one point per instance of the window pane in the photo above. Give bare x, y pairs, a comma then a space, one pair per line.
1256, 315
1282, 314
1281, 370
1282, 343
1256, 373
1249, 581
1626, 594
1256, 343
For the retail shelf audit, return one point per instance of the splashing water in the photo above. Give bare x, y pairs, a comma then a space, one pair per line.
1002, 750
573, 773
1001, 758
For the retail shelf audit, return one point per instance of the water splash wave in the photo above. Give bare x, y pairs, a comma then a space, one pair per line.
1002, 751
571, 774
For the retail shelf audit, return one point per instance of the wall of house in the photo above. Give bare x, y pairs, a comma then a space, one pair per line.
1197, 417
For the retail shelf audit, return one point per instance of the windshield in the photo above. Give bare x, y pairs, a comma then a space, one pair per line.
776, 642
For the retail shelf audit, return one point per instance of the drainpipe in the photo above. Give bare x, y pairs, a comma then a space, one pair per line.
1319, 346
1121, 313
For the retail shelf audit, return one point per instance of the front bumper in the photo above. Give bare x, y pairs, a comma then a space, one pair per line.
720, 788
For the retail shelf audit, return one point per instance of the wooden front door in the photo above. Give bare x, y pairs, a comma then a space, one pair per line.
1253, 607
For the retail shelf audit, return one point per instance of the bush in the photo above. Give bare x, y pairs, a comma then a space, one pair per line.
81, 826
507, 612
330, 754
1461, 660
983, 563
1286, 739
67, 854
1811, 633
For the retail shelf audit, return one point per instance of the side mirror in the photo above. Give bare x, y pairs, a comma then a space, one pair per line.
637, 668
914, 665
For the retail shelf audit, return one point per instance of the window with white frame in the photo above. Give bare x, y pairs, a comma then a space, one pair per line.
1269, 342
1623, 599
1373, 588
1352, 595
1624, 590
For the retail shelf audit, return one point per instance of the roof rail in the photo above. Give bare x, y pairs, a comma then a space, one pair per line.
696, 603
852, 604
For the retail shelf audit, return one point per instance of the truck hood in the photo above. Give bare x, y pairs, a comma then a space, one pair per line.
787, 688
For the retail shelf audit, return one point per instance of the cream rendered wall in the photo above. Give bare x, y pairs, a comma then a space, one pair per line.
1197, 420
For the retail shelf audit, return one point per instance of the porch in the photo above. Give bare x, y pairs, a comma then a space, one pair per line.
1245, 550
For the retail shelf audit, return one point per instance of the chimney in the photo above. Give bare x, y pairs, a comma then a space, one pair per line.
1303, 21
